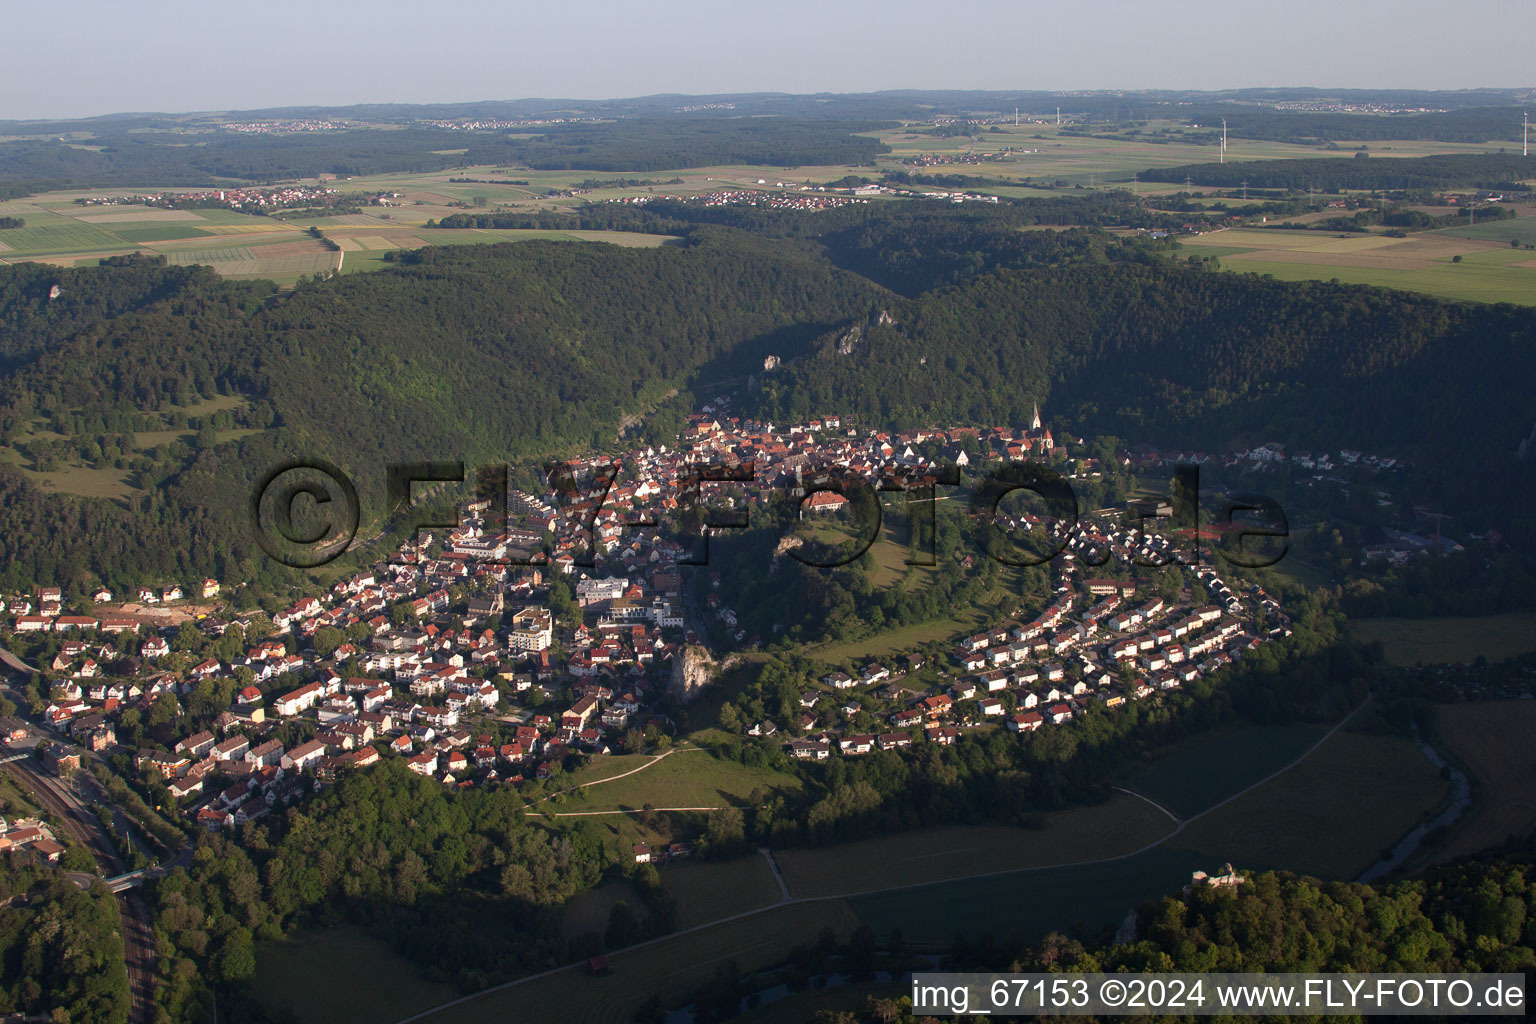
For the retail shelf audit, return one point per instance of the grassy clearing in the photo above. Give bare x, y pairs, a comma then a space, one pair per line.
673, 968
1120, 826
341, 976
685, 779
1450, 639
1189, 780
1494, 740
1331, 815
707, 891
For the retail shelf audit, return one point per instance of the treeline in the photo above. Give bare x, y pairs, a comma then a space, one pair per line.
663, 143
1335, 174
61, 947
461, 882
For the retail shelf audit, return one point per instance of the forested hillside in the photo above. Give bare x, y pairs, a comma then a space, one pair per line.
542, 348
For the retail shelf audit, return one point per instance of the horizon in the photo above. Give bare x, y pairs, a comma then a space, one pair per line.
345, 54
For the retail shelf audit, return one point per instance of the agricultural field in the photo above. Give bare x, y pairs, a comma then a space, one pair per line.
1121, 826
1331, 815
244, 246
341, 976
1493, 738
710, 890
1430, 641
672, 967
1188, 780
1489, 270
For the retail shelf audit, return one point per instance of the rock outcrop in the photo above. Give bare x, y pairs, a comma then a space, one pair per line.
692, 670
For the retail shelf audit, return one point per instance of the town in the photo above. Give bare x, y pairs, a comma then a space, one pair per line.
479, 659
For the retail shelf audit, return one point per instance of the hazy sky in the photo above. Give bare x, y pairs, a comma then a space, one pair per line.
82, 57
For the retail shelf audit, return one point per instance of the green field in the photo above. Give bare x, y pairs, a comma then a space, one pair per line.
166, 233
707, 891
341, 976
1475, 264
1450, 639
1331, 815
1472, 283
684, 779
672, 968
1189, 780
1118, 827
1522, 228
1029, 904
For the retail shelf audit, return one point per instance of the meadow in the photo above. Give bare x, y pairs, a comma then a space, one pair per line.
672, 968
1450, 639
1493, 738
684, 779
1329, 816
1115, 828
710, 890
341, 975
1450, 264
1192, 778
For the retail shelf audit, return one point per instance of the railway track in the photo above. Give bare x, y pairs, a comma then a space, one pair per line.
81, 826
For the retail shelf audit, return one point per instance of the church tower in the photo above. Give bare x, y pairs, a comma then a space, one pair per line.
1034, 424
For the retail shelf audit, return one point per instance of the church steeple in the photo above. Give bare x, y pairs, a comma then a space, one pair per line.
1034, 424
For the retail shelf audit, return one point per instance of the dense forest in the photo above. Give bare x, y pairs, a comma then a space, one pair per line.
461, 881
1361, 173
60, 947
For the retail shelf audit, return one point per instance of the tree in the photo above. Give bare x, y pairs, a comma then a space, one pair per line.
726, 831
326, 640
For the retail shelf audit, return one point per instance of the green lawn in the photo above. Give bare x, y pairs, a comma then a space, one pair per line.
1450, 639
1188, 780
341, 976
